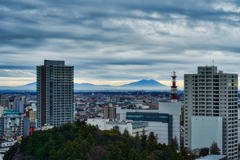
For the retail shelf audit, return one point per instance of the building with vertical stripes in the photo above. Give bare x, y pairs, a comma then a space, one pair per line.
55, 93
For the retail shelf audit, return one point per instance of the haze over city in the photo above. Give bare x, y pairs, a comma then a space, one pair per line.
118, 42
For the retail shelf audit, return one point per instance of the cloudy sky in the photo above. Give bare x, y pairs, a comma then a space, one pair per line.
116, 42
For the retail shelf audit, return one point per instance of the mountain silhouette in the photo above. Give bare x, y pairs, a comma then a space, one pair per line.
139, 85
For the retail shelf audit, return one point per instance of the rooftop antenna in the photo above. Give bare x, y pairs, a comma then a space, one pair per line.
213, 62
174, 88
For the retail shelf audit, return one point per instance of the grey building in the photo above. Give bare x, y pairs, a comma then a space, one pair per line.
55, 93
1, 127
26, 126
5, 102
109, 112
212, 93
18, 105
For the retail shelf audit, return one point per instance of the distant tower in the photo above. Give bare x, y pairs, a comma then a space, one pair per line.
174, 89
142, 95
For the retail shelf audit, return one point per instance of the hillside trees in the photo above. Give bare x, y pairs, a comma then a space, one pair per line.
86, 142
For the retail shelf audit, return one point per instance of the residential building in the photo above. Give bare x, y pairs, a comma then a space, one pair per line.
55, 93
33, 116
206, 130
213, 94
12, 123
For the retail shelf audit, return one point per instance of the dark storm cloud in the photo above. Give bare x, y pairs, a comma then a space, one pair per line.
112, 40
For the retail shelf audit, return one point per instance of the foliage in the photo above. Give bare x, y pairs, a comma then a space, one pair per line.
86, 142
174, 142
214, 149
204, 152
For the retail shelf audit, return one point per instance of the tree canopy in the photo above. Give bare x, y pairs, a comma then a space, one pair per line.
87, 142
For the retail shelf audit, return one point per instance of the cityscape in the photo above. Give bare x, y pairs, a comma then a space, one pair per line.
119, 80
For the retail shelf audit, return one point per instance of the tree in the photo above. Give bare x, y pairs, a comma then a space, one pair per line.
174, 142
90, 138
144, 154
126, 133
143, 141
152, 142
83, 149
116, 153
137, 139
184, 153
204, 152
214, 149
132, 154
68, 148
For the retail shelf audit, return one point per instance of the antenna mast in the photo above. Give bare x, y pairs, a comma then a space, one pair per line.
174, 88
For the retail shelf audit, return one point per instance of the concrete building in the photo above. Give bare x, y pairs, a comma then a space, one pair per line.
132, 126
206, 130
33, 116
12, 123
164, 121
109, 112
212, 93
18, 105
25, 100
5, 102
55, 96
26, 126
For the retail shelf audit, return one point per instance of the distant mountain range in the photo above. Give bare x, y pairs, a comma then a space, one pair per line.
139, 85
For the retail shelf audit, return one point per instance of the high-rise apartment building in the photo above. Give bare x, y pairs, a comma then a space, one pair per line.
214, 94
55, 93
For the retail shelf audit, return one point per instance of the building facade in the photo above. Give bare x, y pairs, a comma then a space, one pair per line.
12, 124
212, 93
132, 126
164, 121
18, 105
55, 93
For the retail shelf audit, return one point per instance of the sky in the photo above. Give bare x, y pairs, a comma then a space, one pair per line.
117, 42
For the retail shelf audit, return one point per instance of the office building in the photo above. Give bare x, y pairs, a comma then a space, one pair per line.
214, 94
55, 90
163, 121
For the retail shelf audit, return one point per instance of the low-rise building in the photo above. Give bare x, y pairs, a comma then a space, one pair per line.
164, 121
131, 126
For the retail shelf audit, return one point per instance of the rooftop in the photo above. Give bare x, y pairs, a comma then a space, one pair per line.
212, 157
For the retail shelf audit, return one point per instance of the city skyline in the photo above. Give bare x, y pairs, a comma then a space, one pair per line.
118, 42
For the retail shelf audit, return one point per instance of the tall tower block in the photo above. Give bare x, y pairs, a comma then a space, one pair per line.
174, 88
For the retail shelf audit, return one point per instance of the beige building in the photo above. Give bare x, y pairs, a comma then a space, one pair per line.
33, 116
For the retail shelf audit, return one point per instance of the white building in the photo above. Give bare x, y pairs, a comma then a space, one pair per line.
131, 126
164, 121
12, 123
206, 130
212, 93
